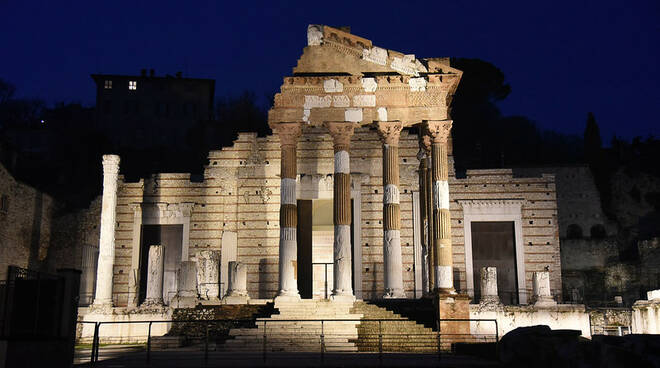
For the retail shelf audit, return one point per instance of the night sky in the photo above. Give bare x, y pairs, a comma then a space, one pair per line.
562, 59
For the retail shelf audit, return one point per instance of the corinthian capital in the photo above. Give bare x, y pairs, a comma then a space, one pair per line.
110, 164
439, 130
288, 132
341, 133
389, 131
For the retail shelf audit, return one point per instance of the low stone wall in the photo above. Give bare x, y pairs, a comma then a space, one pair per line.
121, 332
561, 316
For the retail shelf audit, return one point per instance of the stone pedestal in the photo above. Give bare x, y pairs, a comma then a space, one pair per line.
208, 266
451, 307
542, 296
186, 296
154, 277
237, 291
489, 286
106, 260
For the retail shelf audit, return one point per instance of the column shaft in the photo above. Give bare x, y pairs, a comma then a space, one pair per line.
341, 133
155, 276
423, 168
430, 223
389, 133
288, 261
439, 131
106, 260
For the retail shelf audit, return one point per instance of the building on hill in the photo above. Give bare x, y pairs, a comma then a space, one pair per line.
145, 111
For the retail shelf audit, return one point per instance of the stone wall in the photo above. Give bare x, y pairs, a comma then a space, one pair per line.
240, 193
578, 199
26, 222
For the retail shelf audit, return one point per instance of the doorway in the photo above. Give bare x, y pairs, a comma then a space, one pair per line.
493, 245
316, 248
171, 238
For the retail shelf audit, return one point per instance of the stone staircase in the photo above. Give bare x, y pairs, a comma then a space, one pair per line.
400, 335
303, 335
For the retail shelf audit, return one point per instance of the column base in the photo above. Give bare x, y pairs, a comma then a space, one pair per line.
445, 291
184, 302
394, 294
545, 302
235, 299
101, 307
287, 298
342, 298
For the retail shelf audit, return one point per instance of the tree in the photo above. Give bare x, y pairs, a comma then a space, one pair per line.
592, 141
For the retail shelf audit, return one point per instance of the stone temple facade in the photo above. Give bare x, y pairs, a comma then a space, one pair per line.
354, 196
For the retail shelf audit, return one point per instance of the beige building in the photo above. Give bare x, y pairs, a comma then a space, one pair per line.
361, 130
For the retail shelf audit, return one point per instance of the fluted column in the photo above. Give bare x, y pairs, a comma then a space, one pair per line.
341, 133
106, 261
389, 133
288, 263
444, 275
425, 144
423, 169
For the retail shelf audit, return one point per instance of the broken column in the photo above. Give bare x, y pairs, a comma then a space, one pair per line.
237, 291
444, 275
208, 265
489, 286
186, 295
106, 260
341, 133
154, 277
389, 133
541, 284
288, 262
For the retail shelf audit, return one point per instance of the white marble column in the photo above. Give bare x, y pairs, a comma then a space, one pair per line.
389, 133
541, 287
105, 265
288, 262
155, 276
208, 265
489, 285
341, 133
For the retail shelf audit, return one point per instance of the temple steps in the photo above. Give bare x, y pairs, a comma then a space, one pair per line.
402, 335
303, 334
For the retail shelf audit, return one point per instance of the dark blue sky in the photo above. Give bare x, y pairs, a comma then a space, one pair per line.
562, 59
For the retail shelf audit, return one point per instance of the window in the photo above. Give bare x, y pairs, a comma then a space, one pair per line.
132, 85
107, 84
4, 203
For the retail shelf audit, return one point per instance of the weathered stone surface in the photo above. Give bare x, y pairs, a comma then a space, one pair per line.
208, 278
489, 285
155, 276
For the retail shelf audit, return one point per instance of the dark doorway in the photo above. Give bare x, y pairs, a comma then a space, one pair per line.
493, 245
304, 236
171, 238
315, 234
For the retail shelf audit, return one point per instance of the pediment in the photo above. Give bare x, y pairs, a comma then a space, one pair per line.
331, 51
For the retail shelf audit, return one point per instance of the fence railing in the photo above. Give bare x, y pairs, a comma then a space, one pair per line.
320, 336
